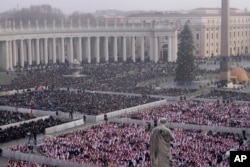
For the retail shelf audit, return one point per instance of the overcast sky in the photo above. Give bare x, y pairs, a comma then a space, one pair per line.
69, 6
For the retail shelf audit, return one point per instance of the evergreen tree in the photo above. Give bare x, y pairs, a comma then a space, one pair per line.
185, 59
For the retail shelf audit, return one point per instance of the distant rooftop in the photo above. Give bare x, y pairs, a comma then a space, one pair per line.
198, 12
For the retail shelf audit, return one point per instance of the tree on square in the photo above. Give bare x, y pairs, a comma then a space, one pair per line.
184, 74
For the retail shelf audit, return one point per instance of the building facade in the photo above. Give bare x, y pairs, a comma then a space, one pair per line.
205, 24
25, 46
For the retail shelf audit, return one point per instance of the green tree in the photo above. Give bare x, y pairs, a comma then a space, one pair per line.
185, 59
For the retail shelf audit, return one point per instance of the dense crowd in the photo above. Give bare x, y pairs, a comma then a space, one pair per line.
128, 80
55, 75
8, 117
125, 77
27, 129
200, 148
40, 76
116, 144
120, 145
198, 112
67, 101
131, 84
163, 91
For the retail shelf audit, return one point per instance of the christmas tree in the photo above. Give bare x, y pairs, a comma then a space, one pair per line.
185, 59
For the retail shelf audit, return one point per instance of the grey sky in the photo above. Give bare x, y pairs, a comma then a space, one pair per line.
68, 6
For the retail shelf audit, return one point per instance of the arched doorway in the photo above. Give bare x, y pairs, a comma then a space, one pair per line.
164, 53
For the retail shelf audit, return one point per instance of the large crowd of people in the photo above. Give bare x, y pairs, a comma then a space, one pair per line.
55, 75
27, 129
79, 101
40, 76
199, 112
107, 77
120, 145
8, 117
200, 148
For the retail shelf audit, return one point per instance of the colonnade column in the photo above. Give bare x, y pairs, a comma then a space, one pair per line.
14, 53
79, 53
97, 48
54, 51
71, 53
175, 46
106, 50
115, 49
37, 52
45, 51
151, 49
142, 49
7, 55
29, 52
133, 49
170, 57
88, 50
10, 56
156, 56
62, 51
124, 47
21, 53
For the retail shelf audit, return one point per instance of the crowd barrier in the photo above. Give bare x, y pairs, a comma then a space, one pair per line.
40, 159
130, 110
170, 98
129, 121
205, 100
28, 121
12, 92
89, 118
185, 126
114, 93
209, 128
97, 118
35, 112
65, 126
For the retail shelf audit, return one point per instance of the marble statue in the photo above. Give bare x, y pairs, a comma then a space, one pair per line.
160, 149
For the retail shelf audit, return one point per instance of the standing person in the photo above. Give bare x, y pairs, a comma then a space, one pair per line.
160, 149
105, 118
84, 118
71, 114
35, 137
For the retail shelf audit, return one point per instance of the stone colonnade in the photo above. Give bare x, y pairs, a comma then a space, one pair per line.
90, 49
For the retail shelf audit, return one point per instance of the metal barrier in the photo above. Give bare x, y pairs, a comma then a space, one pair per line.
40, 159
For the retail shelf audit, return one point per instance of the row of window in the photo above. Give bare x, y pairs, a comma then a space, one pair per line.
232, 28
231, 20
232, 34
232, 50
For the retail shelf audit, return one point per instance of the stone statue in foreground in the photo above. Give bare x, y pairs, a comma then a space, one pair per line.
160, 149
